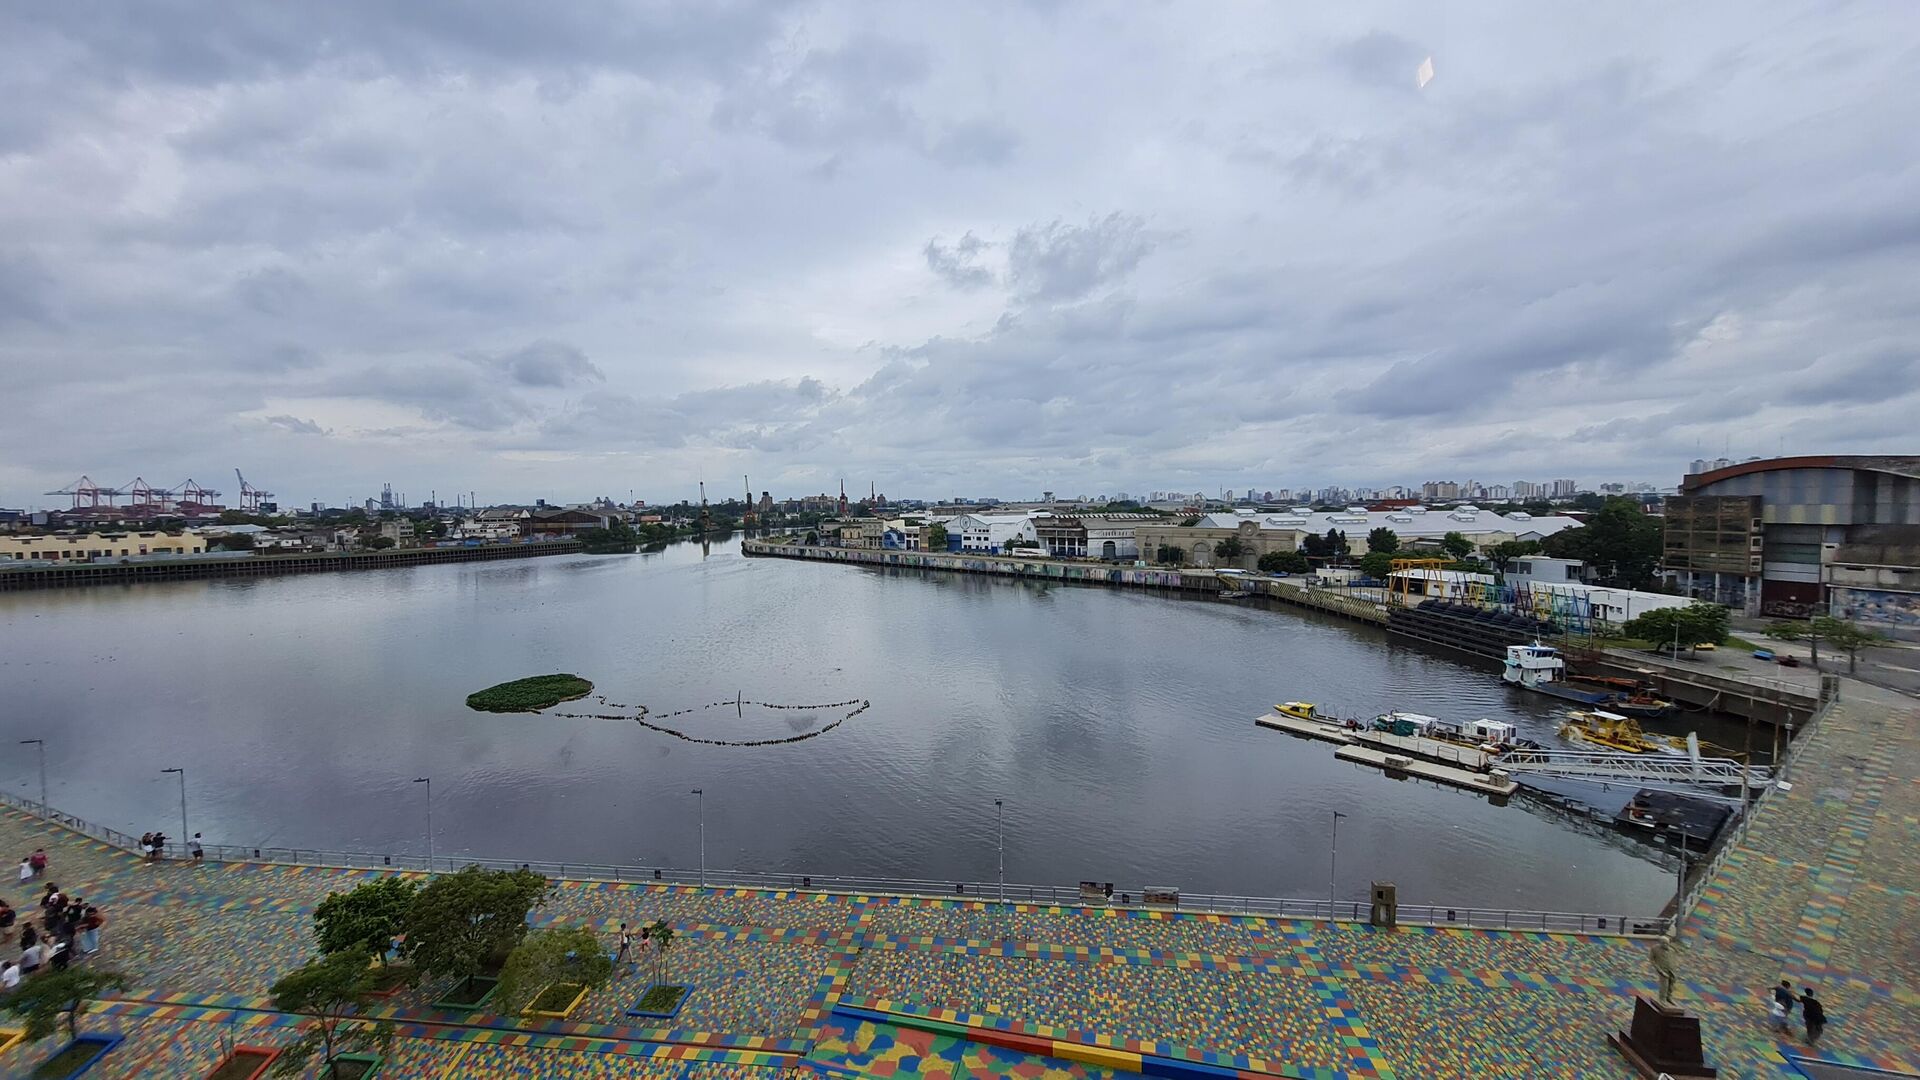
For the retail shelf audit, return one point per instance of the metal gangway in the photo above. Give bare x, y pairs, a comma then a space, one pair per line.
1656, 768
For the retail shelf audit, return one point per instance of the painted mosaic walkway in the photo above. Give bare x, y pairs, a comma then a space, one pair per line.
1826, 889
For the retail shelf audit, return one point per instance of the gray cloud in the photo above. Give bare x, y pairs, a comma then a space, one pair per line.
296, 425
959, 250
958, 265
547, 363
1057, 262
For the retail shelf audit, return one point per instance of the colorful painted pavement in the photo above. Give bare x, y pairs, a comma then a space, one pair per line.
1825, 890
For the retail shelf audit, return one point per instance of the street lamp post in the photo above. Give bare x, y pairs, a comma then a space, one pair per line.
700, 810
1000, 844
183, 801
428, 780
1333, 863
42, 744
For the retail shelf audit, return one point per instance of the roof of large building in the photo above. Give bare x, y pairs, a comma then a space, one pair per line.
1413, 521
1898, 465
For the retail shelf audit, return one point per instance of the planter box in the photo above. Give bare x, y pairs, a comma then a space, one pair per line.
354, 1067
469, 996
399, 974
245, 1063
75, 1058
654, 1008
556, 1000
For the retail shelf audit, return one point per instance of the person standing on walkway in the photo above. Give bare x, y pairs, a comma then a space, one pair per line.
1814, 1014
626, 945
146, 846
9, 977
30, 958
90, 931
7, 918
26, 870
199, 853
28, 935
38, 860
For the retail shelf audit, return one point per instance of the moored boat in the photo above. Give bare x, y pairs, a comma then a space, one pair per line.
1613, 731
1300, 710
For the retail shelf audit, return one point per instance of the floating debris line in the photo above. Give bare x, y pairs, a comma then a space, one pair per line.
639, 714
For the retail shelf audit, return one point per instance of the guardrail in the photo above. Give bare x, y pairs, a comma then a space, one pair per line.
1010, 892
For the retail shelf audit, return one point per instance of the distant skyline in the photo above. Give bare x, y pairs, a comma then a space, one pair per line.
584, 249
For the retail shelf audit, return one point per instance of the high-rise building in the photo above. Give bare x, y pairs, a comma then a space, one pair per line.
1565, 489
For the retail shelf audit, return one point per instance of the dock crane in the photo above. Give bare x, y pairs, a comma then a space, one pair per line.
706, 517
746, 515
250, 497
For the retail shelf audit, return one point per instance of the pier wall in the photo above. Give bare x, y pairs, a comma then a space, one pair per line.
106, 573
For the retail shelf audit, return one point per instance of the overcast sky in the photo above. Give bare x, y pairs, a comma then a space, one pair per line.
575, 249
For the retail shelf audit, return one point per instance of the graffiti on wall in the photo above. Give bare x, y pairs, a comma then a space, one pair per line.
1876, 606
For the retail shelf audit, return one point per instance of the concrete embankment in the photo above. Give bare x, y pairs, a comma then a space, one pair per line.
270, 565
1187, 580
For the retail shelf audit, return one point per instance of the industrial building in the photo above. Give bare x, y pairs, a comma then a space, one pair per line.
1260, 533
86, 547
1800, 536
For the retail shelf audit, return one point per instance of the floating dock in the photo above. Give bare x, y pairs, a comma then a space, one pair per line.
1428, 759
1466, 779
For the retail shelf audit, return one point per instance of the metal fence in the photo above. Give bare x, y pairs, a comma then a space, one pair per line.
986, 891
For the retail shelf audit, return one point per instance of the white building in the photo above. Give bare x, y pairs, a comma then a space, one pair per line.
1614, 606
988, 533
1547, 571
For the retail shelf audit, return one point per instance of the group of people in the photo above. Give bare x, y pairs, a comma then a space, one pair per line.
68, 927
153, 846
1812, 1012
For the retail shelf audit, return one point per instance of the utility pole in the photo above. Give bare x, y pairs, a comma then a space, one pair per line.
183, 802
1333, 862
700, 808
42, 744
427, 780
1000, 844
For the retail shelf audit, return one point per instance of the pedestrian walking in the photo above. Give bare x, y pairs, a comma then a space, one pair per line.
26, 869
626, 946
30, 958
90, 931
51, 900
38, 860
9, 977
199, 854
1780, 1011
1814, 1014
60, 956
28, 935
7, 918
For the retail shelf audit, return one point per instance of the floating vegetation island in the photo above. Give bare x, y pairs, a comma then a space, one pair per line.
531, 694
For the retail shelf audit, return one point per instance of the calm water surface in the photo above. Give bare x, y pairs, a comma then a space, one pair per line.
1116, 725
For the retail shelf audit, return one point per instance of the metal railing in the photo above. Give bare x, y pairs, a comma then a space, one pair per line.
985, 891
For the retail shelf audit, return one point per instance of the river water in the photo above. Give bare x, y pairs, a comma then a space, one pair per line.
1116, 726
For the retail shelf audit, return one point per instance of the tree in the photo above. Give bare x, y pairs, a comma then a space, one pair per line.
365, 919
1620, 542
936, 538
438, 529
558, 955
1330, 546
1230, 548
1696, 624
1377, 564
236, 542
1502, 554
1383, 540
377, 543
1284, 562
1848, 637
1171, 554
50, 997
463, 924
329, 989
661, 936
1456, 545
813, 538
1796, 631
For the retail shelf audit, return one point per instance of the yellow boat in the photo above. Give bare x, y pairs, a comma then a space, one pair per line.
1299, 710
1613, 731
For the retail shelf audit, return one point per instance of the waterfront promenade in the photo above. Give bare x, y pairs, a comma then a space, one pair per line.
1824, 889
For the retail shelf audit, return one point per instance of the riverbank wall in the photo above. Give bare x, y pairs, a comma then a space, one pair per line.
1194, 581
128, 573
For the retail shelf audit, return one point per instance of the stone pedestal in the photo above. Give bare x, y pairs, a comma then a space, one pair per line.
1663, 1039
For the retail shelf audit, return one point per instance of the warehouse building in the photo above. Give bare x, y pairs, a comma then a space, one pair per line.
1800, 536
